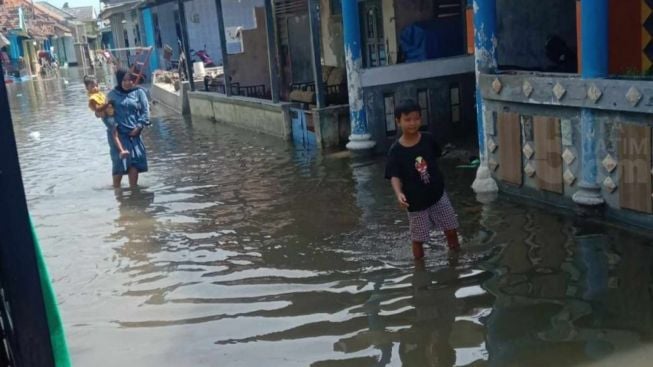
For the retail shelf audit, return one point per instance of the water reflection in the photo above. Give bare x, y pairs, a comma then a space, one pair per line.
136, 226
559, 297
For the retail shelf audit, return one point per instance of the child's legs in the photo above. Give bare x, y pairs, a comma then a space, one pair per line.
444, 217
420, 226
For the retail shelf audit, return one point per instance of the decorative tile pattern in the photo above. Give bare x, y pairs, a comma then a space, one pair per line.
492, 145
529, 170
569, 177
609, 184
528, 151
497, 86
567, 132
494, 165
633, 96
568, 156
594, 93
609, 163
559, 91
527, 88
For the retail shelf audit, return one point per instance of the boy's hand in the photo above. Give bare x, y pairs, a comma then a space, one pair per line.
403, 203
124, 154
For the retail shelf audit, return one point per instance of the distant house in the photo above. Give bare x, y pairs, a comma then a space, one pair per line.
87, 31
64, 47
30, 29
126, 28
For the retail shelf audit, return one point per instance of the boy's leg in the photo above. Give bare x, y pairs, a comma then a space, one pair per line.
420, 226
452, 239
418, 250
444, 216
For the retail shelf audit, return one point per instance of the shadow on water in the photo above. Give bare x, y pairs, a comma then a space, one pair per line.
241, 250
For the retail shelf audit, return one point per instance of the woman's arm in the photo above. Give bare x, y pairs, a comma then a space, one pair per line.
144, 115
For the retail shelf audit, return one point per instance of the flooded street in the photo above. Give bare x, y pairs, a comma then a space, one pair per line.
239, 250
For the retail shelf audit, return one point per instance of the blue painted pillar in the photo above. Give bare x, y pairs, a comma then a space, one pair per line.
14, 46
485, 54
360, 138
148, 24
594, 64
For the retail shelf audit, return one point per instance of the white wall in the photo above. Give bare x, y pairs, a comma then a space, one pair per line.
201, 18
240, 12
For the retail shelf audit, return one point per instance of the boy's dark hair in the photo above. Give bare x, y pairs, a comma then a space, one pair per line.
405, 107
88, 80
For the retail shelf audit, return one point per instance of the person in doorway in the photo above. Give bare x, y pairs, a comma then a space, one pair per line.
103, 109
417, 181
132, 114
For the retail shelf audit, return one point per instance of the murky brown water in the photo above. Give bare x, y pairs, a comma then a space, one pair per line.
240, 251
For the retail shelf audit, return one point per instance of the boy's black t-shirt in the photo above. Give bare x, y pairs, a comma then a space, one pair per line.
417, 168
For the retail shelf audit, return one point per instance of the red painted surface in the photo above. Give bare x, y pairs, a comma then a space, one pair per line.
469, 19
625, 36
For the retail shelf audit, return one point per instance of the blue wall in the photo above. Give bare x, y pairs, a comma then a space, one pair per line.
148, 26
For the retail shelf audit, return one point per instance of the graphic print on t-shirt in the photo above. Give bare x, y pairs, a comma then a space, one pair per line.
423, 168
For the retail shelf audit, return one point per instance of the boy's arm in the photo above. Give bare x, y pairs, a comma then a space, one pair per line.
399, 193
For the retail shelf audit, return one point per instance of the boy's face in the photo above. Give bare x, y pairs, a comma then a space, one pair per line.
92, 88
410, 122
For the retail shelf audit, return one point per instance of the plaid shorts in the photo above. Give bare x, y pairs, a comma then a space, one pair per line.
440, 216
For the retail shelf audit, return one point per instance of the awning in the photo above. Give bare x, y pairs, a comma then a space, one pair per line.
3, 41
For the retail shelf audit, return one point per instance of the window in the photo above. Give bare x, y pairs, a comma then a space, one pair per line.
374, 45
454, 103
390, 125
423, 101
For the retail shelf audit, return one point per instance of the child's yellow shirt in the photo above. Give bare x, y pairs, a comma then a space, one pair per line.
99, 98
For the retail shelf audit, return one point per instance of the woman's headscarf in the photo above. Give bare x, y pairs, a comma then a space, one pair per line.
120, 75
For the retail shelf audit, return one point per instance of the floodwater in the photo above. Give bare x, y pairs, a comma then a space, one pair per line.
239, 250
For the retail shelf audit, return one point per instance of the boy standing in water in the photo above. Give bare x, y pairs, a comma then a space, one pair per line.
103, 109
417, 182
